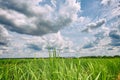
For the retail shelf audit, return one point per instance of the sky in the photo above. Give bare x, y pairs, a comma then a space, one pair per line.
74, 28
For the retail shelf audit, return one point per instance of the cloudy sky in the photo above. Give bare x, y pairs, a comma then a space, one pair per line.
75, 28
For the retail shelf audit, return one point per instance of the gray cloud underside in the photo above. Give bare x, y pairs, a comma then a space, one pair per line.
115, 38
23, 45
92, 26
108, 36
30, 18
4, 36
39, 20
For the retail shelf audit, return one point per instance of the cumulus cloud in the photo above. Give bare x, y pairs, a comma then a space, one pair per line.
29, 17
4, 36
92, 26
97, 41
29, 46
110, 35
50, 42
88, 45
110, 9
115, 38
40, 17
100, 46
107, 41
4, 39
106, 2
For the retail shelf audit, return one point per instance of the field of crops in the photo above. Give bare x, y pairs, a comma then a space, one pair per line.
60, 69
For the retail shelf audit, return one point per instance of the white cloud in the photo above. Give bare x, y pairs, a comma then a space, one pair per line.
52, 41
111, 10
4, 36
115, 37
106, 2
96, 25
4, 39
54, 2
70, 9
29, 46
28, 17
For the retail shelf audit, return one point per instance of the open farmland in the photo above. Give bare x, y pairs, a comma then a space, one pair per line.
60, 69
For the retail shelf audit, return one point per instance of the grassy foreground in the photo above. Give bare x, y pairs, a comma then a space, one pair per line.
60, 69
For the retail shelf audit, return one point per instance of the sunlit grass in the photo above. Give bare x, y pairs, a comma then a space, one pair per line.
60, 69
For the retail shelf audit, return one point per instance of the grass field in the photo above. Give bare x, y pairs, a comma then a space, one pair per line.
60, 69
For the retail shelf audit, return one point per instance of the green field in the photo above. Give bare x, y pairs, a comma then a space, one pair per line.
60, 69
